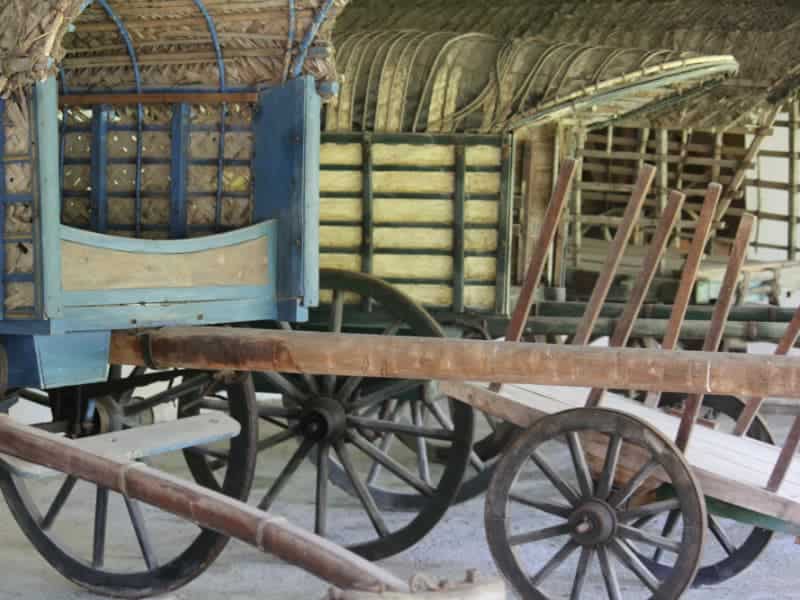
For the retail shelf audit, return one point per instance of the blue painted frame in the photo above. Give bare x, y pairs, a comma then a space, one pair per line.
286, 172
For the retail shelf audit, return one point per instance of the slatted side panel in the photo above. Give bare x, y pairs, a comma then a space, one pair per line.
170, 172
429, 215
17, 189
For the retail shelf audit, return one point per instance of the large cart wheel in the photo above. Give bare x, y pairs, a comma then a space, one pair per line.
375, 439
113, 545
579, 484
731, 547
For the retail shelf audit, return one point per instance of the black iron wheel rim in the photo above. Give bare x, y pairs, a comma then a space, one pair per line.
615, 425
756, 542
182, 568
430, 507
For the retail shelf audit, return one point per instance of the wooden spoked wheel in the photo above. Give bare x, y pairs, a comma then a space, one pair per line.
375, 440
110, 544
731, 547
569, 505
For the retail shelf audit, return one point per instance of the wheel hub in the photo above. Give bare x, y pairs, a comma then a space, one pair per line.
593, 523
325, 420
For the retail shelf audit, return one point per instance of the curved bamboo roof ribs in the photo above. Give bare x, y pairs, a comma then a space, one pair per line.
414, 81
762, 37
114, 45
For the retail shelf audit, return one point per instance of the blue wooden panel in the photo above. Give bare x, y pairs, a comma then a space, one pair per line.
286, 169
179, 171
99, 166
59, 360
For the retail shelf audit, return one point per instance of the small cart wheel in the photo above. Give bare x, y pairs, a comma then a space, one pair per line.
579, 484
113, 545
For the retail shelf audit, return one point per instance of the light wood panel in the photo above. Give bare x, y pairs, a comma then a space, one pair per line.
86, 268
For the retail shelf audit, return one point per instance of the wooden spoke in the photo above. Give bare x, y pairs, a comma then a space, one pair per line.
278, 438
668, 529
628, 558
286, 474
719, 534
375, 469
334, 326
386, 392
321, 508
606, 481
551, 565
562, 486
309, 380
208, 452
174, 393
58, 502
137, 520
422, 448
579, 462
649, 510
393, 427
363, 493
391, 465
660, 542
284, 385
580, 573
556, 510
609, 574
538, 536
277, 412
100, 524
623, 495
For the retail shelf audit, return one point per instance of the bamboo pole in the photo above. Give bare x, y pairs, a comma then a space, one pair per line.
243, 349
210, 98
638, 295
206, 508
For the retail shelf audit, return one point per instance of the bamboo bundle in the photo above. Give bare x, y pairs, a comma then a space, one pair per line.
416, 81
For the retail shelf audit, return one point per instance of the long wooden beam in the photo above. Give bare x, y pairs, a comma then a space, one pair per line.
206, 508
241, 349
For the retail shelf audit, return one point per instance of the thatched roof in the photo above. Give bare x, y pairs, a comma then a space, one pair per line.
761, 35
415, 81
172, 41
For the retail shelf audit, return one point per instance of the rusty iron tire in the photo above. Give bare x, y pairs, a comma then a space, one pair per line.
597, 519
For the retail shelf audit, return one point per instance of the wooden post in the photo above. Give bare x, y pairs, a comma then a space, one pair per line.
722, 309
689, 276
400, 357
577, 233
615, 252
794, 177
753, 405
539, 259
639, 293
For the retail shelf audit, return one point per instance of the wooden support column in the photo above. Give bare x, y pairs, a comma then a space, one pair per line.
722, 310
753, 405
794, 177
655, 252
367, 206
615, 253
401, 357
662, 185
577, 195
644, 140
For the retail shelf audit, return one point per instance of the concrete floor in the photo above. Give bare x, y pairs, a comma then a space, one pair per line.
242, 573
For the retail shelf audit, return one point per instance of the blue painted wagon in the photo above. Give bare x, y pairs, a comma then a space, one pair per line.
167, 173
